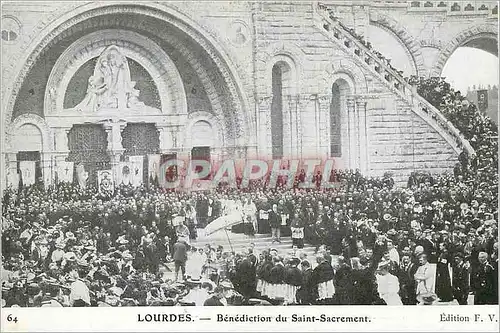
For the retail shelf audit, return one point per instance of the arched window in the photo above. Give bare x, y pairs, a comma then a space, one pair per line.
340, 89
281, 85
11, 29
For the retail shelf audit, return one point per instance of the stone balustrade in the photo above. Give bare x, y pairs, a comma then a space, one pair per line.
388, 74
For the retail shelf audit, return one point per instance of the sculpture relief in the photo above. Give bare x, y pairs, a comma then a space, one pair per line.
110, 87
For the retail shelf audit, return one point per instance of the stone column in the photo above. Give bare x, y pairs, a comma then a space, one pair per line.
362, 136
264, 127
351, 106
115, 148
324, 126
61, 148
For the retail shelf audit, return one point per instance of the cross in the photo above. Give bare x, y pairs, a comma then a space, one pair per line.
67, 169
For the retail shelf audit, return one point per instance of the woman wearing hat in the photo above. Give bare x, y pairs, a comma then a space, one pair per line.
388, 284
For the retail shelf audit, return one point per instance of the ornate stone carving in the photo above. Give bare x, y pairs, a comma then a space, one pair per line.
92, 10
110, 86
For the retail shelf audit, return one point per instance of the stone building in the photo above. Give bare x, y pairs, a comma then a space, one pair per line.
96, 82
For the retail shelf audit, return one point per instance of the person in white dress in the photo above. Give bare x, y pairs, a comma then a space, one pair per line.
388, 285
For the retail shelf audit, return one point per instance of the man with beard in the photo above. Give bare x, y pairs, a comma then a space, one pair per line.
485, 281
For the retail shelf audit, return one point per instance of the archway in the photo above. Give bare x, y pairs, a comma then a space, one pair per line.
178, 35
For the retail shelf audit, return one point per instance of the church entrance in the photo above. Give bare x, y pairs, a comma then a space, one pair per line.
140, 139
88, 146
201, 153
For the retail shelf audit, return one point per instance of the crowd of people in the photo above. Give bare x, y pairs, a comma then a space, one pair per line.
434, 240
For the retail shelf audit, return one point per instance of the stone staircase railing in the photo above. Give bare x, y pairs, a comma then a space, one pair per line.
391, 78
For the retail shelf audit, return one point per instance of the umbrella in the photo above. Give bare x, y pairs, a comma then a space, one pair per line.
223, 222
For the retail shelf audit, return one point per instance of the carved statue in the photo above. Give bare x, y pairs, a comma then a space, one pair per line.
110, 87
82, 175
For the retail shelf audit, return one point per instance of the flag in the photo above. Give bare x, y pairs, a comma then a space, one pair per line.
13, 179
153, 169
105, 180
482, 100
27, 172
124, 176
65, 171
136, 174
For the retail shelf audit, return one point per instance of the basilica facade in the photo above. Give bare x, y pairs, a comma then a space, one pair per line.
95, 83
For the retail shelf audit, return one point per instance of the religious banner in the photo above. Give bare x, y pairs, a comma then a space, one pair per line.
27, 172
482, 100
105, 180
124, 176
136, 174
65, 171
153, 169
82, 175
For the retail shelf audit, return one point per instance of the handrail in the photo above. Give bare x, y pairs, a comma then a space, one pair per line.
394, 79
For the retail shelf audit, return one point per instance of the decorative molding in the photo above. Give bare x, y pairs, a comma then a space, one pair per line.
134, 46
471, 33
342, 68
210, 119
410, 43
54, 28
32, 119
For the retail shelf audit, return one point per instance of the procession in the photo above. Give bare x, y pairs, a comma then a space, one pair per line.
246, 154
433, 241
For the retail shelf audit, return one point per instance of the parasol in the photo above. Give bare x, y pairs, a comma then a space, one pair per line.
222, 223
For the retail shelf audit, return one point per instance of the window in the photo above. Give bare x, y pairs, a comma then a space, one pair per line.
11, 29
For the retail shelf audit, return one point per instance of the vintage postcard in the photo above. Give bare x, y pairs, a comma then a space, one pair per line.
249, 166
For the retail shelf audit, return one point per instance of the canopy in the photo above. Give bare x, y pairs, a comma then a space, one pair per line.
223, 222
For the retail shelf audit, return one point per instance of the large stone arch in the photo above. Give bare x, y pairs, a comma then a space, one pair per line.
52, 28
133, 45
406, 39
464, 37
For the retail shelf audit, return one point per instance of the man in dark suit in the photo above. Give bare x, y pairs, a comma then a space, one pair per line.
407, 281
180, 258
484, 282
275, 223
306, 294
460, 279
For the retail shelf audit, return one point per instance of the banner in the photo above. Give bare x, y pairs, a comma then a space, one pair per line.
482, 100
153, 169
27, 172
136, 167
13, 179
124, 174
105, 180
65, 171
82, 175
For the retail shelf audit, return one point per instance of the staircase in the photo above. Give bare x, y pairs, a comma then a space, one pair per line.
380, 67
239, 242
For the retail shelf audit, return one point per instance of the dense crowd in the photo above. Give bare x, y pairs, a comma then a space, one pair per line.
434, 240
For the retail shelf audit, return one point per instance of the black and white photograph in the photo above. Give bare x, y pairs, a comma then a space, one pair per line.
249, 153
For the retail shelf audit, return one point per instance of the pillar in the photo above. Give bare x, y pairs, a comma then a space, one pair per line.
264, 139
351, 125
362, 136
